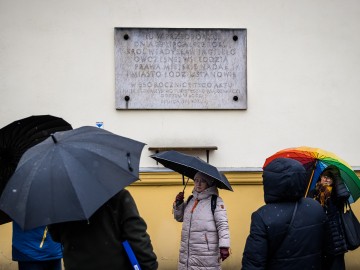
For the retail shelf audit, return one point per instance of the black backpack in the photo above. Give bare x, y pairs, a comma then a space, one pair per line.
213, 202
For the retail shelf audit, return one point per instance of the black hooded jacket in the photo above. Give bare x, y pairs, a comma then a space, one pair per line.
270, 245
333, 207
96, 244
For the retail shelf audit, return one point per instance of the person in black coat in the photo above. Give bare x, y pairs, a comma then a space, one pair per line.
272, 243
331, 193
97, 243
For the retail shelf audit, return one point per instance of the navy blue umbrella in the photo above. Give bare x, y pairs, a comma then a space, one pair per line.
188, 166
69, 176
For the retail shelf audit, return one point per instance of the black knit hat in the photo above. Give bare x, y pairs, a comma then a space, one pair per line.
331, 171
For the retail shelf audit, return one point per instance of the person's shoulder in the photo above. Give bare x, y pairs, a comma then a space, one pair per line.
259, 214
262, 209
312, 193
123, 192
312, 205
276, 207
312, 209
120, 196
310, 202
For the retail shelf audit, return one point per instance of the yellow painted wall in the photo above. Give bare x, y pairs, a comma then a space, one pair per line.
154, 196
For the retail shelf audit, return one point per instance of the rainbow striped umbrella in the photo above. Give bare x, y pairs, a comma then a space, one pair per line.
315, 160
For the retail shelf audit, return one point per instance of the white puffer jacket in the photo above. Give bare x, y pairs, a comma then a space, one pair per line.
202, 232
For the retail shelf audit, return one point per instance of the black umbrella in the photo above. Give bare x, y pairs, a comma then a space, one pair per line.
188, 165
69, 176
19, 136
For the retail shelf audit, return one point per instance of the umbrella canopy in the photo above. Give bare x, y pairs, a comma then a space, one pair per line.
188, 165
315, 160
19, 136
69, 176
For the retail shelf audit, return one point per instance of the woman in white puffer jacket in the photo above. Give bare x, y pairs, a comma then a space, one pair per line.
205, 238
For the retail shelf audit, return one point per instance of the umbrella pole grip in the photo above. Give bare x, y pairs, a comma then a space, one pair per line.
311, 178
186, 184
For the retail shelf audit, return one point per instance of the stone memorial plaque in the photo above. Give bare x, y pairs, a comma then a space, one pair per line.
171, 68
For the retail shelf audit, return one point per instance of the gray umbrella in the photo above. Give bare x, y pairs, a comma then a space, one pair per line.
19, 136
188, 165
69, 176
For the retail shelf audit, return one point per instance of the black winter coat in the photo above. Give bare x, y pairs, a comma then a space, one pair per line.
96, 244
270, 245
336, 238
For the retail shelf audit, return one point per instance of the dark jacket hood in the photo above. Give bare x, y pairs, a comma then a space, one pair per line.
284, 179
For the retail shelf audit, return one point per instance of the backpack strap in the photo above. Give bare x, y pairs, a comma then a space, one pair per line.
287, 231
189, 199
213, 202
